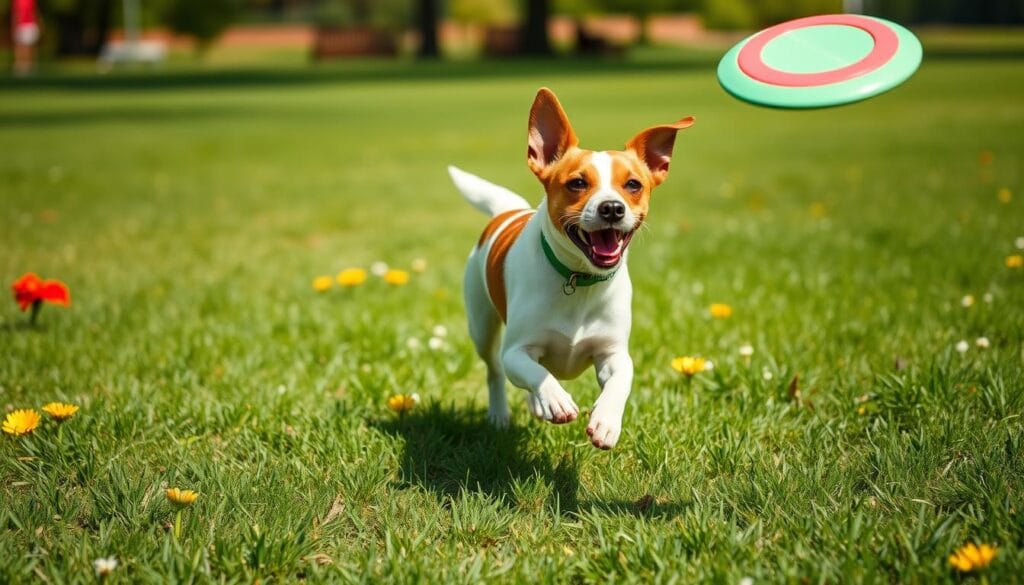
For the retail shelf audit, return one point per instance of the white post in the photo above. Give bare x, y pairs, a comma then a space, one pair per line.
131, 28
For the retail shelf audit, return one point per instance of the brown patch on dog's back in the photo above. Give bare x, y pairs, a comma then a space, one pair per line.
494, 224
496, 255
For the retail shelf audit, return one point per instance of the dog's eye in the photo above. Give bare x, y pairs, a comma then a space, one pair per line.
576, 185
633, 186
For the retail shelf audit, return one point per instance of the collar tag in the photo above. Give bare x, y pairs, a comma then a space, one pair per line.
569, 286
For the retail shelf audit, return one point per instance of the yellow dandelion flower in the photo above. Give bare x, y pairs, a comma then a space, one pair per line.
21, 422
180, 497
721, 311
972, 557
352, 277
60, 410
1004, 195
396, 277
322, 283
419, 265
689, 365
1015, 261
403, 402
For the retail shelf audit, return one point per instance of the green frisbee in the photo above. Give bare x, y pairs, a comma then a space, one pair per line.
820, 61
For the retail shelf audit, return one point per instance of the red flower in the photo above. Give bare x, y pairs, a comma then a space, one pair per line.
30, 289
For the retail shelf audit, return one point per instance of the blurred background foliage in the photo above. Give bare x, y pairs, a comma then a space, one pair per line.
80, 27
384, 14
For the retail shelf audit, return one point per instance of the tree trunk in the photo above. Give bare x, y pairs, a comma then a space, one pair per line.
535, 28
69, 32
428, 29
361, 11
103, 20
643, 19
83, 32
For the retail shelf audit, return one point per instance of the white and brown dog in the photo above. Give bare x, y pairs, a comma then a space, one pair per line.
556, 275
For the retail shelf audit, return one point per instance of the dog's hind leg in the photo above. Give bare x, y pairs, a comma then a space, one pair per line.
485, 329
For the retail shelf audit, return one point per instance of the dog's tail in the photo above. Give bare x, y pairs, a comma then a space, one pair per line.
484, 195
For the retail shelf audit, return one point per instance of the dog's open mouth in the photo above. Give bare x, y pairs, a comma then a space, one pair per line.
604, 247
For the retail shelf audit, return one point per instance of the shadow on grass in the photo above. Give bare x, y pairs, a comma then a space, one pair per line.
448, 452
127, 116
366, 70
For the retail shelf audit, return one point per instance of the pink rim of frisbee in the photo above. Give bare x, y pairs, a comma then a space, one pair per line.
886, 44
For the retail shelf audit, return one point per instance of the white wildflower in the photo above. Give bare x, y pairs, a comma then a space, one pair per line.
379, 268
104, 566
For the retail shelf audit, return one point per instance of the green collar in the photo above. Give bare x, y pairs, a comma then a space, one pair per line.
572, 278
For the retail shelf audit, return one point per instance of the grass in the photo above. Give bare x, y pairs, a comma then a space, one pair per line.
190, 213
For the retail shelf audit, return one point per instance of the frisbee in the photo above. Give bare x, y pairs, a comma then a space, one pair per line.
820, 61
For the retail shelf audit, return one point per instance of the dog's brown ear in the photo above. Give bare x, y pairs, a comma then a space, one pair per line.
654, 146
550, 132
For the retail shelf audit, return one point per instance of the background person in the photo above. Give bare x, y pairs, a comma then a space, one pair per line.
25, 34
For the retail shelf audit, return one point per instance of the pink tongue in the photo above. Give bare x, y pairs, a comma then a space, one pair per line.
605, 242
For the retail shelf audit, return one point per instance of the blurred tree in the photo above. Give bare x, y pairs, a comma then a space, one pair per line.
427, 19
203, 20
483, 11
391, 15
729, 14
78, 27
577, 8
753, 14
275, 8
775, 11
535, 28
962, 11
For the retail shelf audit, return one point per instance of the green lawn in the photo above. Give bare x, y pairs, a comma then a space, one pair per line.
190, 213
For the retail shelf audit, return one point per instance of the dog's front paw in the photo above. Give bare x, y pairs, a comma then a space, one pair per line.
552, 403
499, 418
604, 428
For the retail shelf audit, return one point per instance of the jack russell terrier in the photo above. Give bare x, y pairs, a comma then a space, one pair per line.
556, 275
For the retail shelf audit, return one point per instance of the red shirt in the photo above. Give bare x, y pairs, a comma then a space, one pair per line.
23, 12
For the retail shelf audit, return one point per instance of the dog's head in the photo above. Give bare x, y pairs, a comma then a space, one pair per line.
597, 200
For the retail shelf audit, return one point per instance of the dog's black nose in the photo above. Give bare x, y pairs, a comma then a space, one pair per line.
611, 211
